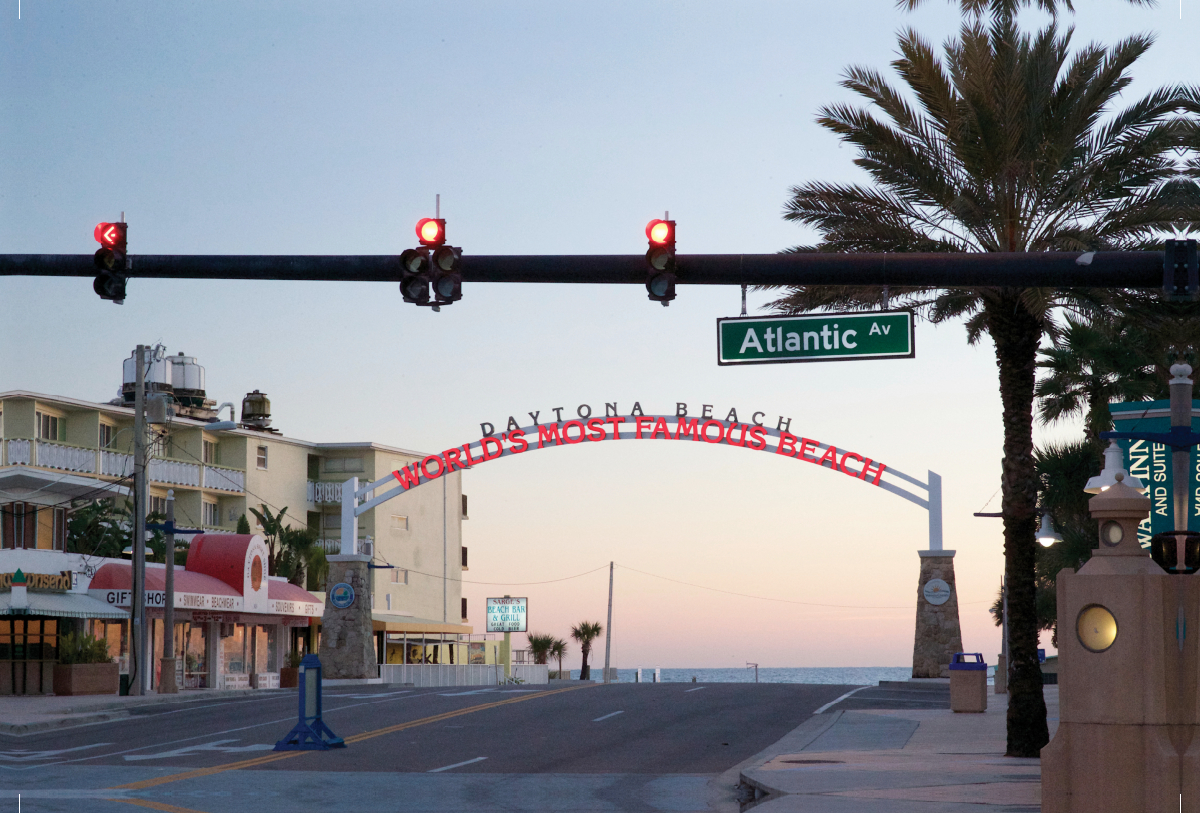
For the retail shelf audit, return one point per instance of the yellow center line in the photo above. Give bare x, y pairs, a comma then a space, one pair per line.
366, 735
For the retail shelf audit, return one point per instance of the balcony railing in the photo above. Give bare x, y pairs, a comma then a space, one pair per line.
116, 464
173, 471
224, 479
320, 492
68, 458
18, 453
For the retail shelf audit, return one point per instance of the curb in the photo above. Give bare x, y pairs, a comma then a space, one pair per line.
24, 729
795, 741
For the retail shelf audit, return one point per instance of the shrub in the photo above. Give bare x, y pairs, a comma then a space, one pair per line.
79, 647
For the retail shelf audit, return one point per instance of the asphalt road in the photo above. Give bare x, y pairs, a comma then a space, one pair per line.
618, 747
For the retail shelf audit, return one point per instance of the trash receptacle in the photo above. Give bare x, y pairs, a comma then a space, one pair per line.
968, 682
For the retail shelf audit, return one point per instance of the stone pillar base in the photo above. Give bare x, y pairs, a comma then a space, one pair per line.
166, 679
1001, 674
347, 636
938, 635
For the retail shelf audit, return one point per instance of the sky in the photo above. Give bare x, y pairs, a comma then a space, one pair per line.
321, 128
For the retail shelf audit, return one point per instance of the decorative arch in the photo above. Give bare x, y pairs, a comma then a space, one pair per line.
755, 437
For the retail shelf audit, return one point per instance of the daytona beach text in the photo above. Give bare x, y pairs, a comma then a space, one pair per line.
638, 426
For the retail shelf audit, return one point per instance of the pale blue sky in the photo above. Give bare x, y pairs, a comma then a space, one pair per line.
547, 128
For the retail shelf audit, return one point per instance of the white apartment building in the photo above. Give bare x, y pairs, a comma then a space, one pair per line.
60, 453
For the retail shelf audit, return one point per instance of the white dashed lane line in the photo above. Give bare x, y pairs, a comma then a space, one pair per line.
605, 717
457, 765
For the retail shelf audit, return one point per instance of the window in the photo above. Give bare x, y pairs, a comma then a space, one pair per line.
50, 427
464, 609
106, 436
59, 539
158, 505
464, 558
464, 513
333, 521
399, 575
262, 457
389, 600
161, 445
211, 514
210, 452
18, 525
397, 525
341, 464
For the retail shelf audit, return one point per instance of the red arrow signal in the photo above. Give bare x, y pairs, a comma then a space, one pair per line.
108, 234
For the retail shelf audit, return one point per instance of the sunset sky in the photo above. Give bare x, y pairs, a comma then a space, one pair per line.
306, 128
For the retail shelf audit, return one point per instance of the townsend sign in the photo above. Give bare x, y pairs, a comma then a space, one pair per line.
755, 435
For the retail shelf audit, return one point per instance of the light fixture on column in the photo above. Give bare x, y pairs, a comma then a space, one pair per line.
1114, 461
1046, 534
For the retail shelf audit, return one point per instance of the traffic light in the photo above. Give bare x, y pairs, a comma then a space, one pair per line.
660, 283
434, 265
111, 260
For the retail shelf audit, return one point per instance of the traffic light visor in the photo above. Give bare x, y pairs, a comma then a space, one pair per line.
660, 231
108, 234
431, 231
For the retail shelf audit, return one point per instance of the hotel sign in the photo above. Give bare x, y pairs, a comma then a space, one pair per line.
1151, 463
816, 337
507, 614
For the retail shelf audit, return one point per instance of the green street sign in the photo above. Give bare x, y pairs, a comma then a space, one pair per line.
816, 337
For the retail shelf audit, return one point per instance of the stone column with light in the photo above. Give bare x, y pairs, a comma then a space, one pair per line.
1113, 751
347, 631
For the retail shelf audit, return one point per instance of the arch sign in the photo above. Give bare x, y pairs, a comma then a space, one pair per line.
586, 429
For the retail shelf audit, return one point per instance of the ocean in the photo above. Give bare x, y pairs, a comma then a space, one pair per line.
843, 675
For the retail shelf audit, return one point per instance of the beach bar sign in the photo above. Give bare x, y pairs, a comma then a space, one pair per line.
816, 337
507, 614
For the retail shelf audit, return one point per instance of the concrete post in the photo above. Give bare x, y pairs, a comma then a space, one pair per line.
938, 635
166, 683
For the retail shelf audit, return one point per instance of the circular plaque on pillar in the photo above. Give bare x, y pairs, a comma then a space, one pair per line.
341, 596
936, 591
1096, 627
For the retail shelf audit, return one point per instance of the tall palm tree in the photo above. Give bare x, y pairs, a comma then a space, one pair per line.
1003, 150
558, 650
585, 632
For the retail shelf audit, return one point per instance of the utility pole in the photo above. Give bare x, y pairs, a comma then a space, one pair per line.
140, 638
608, 627
166, 683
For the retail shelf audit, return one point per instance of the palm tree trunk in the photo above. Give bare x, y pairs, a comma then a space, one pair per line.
584, 672
1017, 334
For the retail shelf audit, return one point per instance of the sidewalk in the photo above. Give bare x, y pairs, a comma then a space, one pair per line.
908, 761
28, 714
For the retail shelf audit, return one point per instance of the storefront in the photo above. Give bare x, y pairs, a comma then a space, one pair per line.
232, 621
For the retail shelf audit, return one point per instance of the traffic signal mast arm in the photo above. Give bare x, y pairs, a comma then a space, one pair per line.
1104, 269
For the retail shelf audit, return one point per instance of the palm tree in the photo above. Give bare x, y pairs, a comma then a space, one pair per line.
585, 632
272, 525
539, 646
558, 649
1003, 151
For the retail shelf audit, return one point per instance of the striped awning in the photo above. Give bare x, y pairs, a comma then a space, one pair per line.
61, 605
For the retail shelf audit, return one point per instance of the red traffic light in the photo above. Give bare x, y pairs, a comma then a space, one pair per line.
661, 232
431, 231
110, 235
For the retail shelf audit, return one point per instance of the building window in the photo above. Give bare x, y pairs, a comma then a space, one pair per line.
464, 511
210, 452
161, 445
464, 609
18, 525
389, 600
399, 575
158, 505
262, 457
211, 514
106, 436
333, 520
50, 427
397, 525
343, 464
59, 540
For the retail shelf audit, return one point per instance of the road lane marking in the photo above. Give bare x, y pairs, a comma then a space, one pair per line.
457, 765
366, 696
277, 756
21, 755
166, 808
697, 689
605, 717
832, 703
189, 750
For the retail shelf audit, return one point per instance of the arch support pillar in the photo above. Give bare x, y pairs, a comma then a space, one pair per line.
938, 634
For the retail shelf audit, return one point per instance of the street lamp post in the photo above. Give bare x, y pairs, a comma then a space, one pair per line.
139, 634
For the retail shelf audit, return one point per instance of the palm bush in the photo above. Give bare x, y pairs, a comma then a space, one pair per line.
585, 632
539, 646
81, 647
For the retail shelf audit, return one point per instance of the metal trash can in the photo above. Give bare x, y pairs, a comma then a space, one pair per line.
968, 683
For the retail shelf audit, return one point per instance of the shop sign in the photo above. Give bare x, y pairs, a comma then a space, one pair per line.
507, 614
815, 337
341, 596
40, 582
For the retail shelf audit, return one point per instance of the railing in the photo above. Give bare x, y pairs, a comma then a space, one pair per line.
68, 458
460, 674
116, 464
224, 479
171, 471
18, 452
319, 492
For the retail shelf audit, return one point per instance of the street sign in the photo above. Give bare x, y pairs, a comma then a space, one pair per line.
1151, 463
507, 614
816, 337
